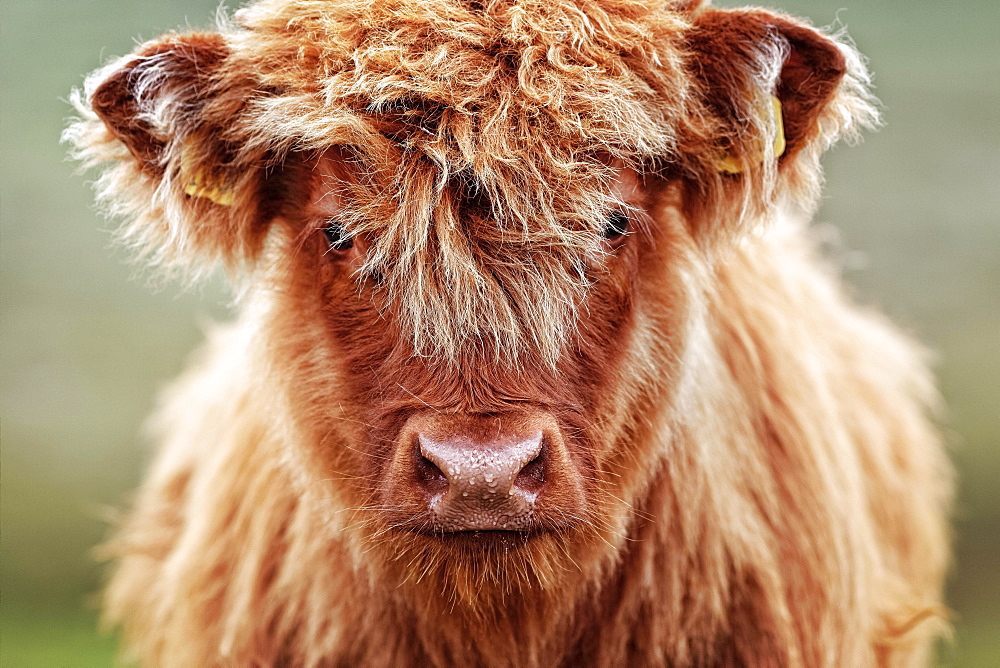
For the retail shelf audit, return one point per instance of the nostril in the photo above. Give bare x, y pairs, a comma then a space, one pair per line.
428, 473
532, 476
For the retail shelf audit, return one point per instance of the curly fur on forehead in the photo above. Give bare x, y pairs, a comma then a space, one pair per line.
446, 106
473, 85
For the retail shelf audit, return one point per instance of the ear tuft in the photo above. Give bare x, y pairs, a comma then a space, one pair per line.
165, 123
760, 150
809, 79
135, 100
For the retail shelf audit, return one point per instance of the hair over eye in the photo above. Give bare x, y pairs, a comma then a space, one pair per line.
337, 236
615, 225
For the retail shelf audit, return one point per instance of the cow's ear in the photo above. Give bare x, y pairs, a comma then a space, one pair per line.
779, 92
165, 123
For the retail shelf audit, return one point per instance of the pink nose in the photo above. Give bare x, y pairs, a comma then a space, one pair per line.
477, 484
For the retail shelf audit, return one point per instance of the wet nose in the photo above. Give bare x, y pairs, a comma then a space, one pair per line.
482, 484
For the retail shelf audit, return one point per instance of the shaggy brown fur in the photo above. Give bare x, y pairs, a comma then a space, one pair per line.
760, 483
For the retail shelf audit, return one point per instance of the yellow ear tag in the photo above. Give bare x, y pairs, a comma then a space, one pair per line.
730, 165
202, 185
221, 196
779, 127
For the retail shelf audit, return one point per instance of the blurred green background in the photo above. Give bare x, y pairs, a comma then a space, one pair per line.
86, 344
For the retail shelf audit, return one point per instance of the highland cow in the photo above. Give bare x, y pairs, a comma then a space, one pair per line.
535, 362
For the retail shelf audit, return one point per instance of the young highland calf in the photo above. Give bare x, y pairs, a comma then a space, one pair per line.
535, 362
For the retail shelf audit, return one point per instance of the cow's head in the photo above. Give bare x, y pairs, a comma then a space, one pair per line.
473, 243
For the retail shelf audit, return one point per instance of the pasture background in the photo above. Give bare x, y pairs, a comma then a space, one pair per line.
86, 345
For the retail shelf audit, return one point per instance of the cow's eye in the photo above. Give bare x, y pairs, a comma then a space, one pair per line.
615, 225
338, 237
